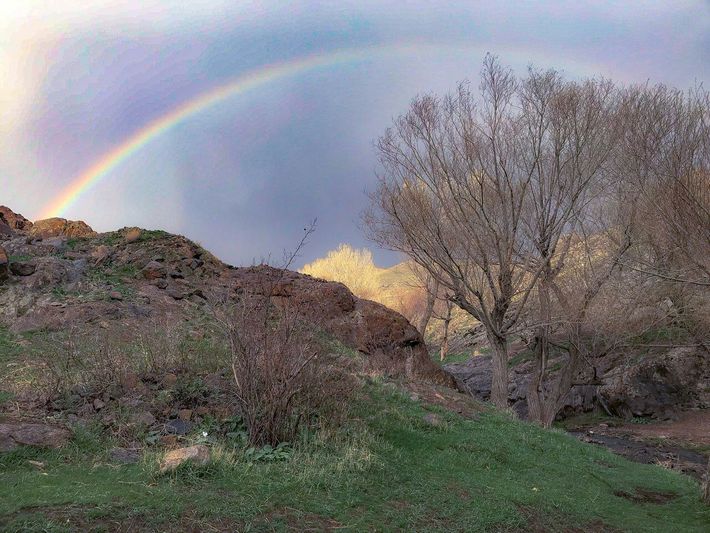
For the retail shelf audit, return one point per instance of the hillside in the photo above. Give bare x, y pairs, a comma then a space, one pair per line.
112, 359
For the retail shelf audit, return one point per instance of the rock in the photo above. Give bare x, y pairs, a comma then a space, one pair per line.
160, 283
185, 414
175, 294
132, 235
4, 265
154, 270
31, 434
178, 427
101, 254
125, 455
198, 455
432, 419
169, 380
60, 227
23, 268
98, 404
115, 295
168, 440
145, 419
202, 410
14, 221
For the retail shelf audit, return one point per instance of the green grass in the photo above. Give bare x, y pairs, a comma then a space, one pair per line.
451, 357
385, 470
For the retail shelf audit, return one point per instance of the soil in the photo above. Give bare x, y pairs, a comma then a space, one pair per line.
682, 444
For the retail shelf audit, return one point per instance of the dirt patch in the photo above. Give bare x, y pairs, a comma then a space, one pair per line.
647, 496
536, 522
296, 520
691, 427
449, 399
679, 445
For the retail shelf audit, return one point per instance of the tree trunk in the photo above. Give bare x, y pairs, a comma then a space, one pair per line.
429, 309
499, 384
444, 350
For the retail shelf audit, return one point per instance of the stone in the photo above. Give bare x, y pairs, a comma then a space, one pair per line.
178, 427
176, 294
145, 419
169, 380
154, 270
160, 283
115, 295
98, 404
101, 254
185, 414
125, 455
23, 269
31, 434
202, 410
132, 235
198, 455
168, 440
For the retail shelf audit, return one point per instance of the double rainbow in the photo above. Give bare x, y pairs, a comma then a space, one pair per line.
244, 83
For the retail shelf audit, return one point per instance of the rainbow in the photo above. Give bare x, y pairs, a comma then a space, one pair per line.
244, 83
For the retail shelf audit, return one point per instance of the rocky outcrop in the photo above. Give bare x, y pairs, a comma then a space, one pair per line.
16, 223
60, 227
131, 275
383, 335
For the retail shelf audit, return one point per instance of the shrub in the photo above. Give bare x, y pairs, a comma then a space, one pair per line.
284, 379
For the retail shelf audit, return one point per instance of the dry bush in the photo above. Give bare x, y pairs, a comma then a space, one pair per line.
284, 379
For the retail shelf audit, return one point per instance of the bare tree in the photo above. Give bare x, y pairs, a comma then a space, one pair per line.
451, 196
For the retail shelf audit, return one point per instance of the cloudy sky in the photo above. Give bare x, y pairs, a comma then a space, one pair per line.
81, 78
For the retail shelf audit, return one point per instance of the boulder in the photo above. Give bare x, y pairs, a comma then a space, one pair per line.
60, 227
14, 221
198, 455
13, 434
154, 270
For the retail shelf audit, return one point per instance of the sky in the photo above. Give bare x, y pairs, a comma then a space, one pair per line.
312, 84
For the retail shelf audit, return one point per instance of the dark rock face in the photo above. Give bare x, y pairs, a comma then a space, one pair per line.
660, 384
656, 386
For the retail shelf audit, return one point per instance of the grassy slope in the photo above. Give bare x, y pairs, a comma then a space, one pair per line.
385, 470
